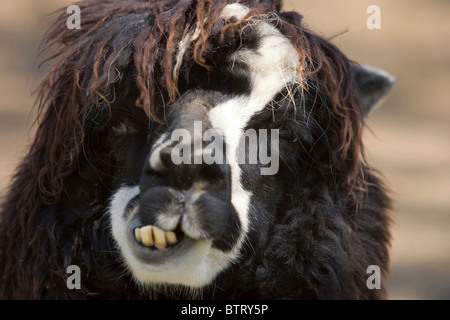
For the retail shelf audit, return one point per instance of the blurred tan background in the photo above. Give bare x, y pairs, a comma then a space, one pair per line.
409, 136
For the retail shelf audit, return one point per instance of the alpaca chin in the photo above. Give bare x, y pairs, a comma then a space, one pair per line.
189, 262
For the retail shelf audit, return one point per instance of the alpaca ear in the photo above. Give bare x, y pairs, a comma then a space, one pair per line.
373, 85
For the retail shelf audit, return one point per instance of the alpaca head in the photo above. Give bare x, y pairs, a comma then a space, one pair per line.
203, 125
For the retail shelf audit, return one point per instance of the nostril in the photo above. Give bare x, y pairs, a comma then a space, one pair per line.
166, 157
180, 168
155, 162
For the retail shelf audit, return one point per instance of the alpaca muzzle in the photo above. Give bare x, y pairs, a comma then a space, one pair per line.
185, 186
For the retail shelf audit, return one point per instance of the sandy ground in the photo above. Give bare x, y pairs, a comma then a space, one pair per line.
409, 136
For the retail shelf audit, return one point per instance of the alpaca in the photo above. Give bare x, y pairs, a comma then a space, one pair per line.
99, 187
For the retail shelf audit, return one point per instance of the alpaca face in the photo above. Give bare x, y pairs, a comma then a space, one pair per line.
185, 223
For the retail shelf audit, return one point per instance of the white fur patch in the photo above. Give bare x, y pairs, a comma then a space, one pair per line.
274, 66
236, 10
119, 226
182, 48
155, 159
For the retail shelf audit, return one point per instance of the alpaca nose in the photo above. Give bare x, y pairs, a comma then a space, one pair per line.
183, 172
180, 164
191, 149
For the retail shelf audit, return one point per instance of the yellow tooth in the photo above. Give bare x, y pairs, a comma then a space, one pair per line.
160, 238
146, 236
137, 234
171, 237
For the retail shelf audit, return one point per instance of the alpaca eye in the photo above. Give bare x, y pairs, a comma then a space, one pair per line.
288, 136
120, 128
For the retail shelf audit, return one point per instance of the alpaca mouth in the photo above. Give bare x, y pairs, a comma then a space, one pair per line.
153, 245
155, 238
